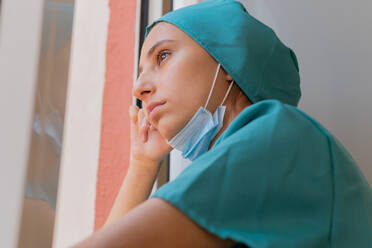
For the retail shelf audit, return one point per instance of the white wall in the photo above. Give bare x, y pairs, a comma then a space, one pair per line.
182, 3
79, 163
332, 40
19, 56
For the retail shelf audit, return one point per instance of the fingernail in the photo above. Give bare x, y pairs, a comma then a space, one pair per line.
152, 128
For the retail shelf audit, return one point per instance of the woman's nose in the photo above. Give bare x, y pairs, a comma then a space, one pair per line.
142, 89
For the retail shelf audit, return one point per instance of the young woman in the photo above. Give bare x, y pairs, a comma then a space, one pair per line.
221, 87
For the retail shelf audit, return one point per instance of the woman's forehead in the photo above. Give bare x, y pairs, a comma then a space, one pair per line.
164, 28
164, 31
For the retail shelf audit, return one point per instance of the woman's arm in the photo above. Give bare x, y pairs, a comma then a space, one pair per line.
148, 148
154, 223
134, 190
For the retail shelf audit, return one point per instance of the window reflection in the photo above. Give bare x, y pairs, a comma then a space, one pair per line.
47, 127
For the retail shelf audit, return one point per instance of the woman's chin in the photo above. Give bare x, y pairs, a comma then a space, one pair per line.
168, 127
166, 131
165, 134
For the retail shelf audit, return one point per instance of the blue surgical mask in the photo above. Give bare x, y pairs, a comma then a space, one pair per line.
194, 139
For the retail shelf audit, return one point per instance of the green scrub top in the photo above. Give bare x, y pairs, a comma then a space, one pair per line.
276, 178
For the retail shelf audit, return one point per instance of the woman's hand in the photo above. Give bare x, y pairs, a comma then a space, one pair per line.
147, 145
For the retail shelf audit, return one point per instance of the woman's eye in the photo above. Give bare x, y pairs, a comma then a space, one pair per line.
162, 55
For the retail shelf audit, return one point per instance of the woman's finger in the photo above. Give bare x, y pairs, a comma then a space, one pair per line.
140, 117
133, 113
152, 128
143, 130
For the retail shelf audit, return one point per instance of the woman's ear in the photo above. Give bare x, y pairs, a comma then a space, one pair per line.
227, 75
228, 78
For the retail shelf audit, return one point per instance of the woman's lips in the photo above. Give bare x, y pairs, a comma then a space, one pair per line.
153, 108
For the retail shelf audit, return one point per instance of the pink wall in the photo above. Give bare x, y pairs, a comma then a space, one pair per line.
114, 143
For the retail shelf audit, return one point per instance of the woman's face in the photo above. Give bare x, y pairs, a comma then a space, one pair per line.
178, 73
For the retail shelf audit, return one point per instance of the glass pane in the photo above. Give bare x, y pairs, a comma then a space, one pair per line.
47, 127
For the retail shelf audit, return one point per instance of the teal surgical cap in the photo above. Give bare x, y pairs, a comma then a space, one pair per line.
262, 66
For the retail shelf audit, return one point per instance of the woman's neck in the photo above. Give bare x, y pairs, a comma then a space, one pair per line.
234, 105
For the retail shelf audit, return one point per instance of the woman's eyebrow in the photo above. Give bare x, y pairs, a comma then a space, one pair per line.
152, 49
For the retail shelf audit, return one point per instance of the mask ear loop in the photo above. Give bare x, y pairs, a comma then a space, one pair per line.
214, 82
227, 93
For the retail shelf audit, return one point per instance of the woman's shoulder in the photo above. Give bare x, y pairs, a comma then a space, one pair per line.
274, 160
274, 122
